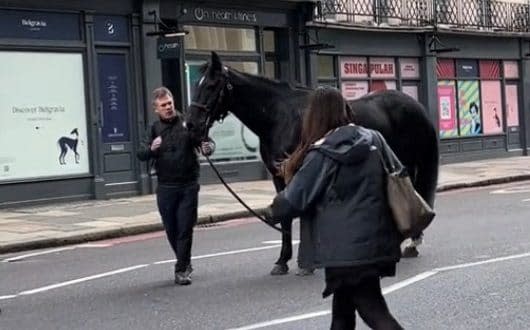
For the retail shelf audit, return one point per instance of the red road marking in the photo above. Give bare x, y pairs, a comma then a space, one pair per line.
158, 234
134, 238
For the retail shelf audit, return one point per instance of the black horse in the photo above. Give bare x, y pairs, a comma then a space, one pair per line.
66, 142
273, 111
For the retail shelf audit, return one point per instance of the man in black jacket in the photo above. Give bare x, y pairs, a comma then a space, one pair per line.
175, 155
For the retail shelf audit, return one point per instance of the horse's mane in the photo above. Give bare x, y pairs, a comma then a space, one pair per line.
280, 85
277, 85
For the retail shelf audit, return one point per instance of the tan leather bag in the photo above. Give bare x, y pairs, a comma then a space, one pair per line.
410, 211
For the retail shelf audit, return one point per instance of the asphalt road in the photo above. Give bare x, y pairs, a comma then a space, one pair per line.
127, 283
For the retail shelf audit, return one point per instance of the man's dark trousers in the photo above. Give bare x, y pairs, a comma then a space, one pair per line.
177, 205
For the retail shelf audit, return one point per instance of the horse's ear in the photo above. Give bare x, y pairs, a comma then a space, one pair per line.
216, 62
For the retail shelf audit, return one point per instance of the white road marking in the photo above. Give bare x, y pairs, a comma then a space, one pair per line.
80, 280
483, 262
123, 270
220, 254
29, 255
284, 320
278, 242
66, 248
386, 290
408, 281
389, 289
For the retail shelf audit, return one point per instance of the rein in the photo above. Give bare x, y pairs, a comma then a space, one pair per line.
236, 196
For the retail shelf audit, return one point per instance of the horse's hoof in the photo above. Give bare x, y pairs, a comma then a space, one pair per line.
279, 269
305, 272
409, 252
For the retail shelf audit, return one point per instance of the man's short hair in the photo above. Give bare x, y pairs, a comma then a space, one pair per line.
159, 93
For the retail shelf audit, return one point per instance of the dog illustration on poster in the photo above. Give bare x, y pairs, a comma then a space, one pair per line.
66, 142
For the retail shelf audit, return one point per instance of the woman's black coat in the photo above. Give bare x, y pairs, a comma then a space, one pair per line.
340, 191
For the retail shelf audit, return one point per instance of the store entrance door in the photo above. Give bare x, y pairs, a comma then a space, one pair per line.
118, 151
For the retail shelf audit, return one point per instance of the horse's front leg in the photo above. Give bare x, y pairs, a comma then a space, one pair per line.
281, 268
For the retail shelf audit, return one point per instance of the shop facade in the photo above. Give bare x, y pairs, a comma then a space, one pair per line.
469, 69
76, 80
70, 100
255, 37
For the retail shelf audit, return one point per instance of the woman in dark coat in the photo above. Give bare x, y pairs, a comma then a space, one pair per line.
336, 183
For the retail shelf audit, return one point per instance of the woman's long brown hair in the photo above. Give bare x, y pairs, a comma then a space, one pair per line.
327, 110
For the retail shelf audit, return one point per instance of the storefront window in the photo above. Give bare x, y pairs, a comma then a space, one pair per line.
409, 70
325, 67
270, 69
475, 88
469, 107
492, 107
233, 140
411, 90
353, 67
447, 108
247, 67
43, 117
269, 41
361, 75
352, 90
512, 107
326, 74
511, 70
382, 67
381, 85
220, 38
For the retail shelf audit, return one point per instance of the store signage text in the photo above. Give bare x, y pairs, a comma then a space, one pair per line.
358, 67
113, 92
168, 47
410, 68
33, 25
224, 15
355, 68
39, 25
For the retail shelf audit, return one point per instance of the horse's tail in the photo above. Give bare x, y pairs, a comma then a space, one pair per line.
427, 165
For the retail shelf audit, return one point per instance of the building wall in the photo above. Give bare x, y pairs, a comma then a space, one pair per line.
70, 82
91, 66
258, 37
99, 81
487, 84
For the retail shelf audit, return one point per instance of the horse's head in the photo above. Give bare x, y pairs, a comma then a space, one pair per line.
209, 101
74, 131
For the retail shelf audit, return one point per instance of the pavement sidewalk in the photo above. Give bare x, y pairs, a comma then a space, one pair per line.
68, 223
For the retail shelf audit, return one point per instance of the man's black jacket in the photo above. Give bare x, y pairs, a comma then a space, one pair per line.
176, 161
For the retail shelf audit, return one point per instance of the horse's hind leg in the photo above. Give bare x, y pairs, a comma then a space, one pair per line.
425, 182
76, 157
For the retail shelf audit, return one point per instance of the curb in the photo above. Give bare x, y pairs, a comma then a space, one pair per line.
203, 220
483, 183
114, 233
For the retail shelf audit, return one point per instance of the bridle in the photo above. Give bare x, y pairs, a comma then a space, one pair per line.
221, 90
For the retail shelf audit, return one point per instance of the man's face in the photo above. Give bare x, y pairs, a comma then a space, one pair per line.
165, 108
